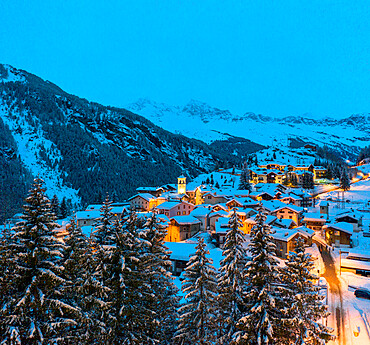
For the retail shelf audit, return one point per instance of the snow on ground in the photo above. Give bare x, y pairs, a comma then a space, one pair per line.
30, 141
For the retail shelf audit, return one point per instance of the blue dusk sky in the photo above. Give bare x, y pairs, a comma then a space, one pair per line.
276, 58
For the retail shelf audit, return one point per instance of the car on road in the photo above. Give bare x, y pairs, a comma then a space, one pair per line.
364, 293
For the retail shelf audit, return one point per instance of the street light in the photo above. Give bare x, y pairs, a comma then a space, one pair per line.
356, 331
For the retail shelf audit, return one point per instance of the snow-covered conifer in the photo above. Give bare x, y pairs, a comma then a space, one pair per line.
163, 300
102, 234
82, 288
37, 314
197, 324
244, 179
261, 317
231, 280
305, 308
344, 181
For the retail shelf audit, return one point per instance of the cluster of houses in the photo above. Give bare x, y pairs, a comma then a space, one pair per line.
278, 173
187, 210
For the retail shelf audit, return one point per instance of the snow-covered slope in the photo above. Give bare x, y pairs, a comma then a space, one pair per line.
201, 121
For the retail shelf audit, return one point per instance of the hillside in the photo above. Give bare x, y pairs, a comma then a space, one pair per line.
199, 120
83, 149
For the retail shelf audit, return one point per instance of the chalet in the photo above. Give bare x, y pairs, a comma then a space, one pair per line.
353, 217
289, 212
234, 203
221, 229
213, 198
285, 223
273, 166
214, 216
319, 172
180, 253
259, 175
315, 221
87, 218
338, 234
202, 214
258, 196
251, 222
182, 228
285, 240
175, 208
270, 206
142, 202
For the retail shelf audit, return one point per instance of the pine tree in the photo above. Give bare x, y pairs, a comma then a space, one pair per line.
122, 270
260, 321
344, 181
198, 314
6, 272
63, 208
305, 307
231, 280
244, 179
82, 289
103, 234
163, 300
307, 182
55, 208
36, 313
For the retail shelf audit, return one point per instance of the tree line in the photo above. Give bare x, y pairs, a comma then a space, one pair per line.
115, 287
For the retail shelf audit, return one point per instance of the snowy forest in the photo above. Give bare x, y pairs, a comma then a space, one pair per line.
116, 287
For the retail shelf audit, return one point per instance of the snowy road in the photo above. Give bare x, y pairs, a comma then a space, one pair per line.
349, 315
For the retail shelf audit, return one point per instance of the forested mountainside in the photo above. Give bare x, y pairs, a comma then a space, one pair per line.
83, 149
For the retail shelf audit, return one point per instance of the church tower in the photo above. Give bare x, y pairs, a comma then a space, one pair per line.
181, 185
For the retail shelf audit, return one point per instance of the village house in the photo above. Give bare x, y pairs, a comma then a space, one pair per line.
353, 217
182, 228
315, 221
214, 216
87, 218
338, 234
202, 213
289, 212
285, 240
175, 208
213, 198
142, 202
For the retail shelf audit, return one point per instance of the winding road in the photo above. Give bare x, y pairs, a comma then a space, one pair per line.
337, 317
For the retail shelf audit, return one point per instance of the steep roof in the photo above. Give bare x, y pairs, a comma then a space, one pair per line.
341, 226
186, 220
145, 196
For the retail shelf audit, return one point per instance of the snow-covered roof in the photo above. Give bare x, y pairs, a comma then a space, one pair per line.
306, 231
272, 205
167, 205
201, 211
91, 214
290, 207
186, 220
285, 234
314, 217
356, 215
145, 196
149, 189
220, 213
341, 226
286, 223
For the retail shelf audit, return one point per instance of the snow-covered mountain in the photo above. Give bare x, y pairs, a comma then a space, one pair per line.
83, 149
201, 121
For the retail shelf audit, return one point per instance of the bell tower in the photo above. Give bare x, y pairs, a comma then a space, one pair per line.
181, 185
